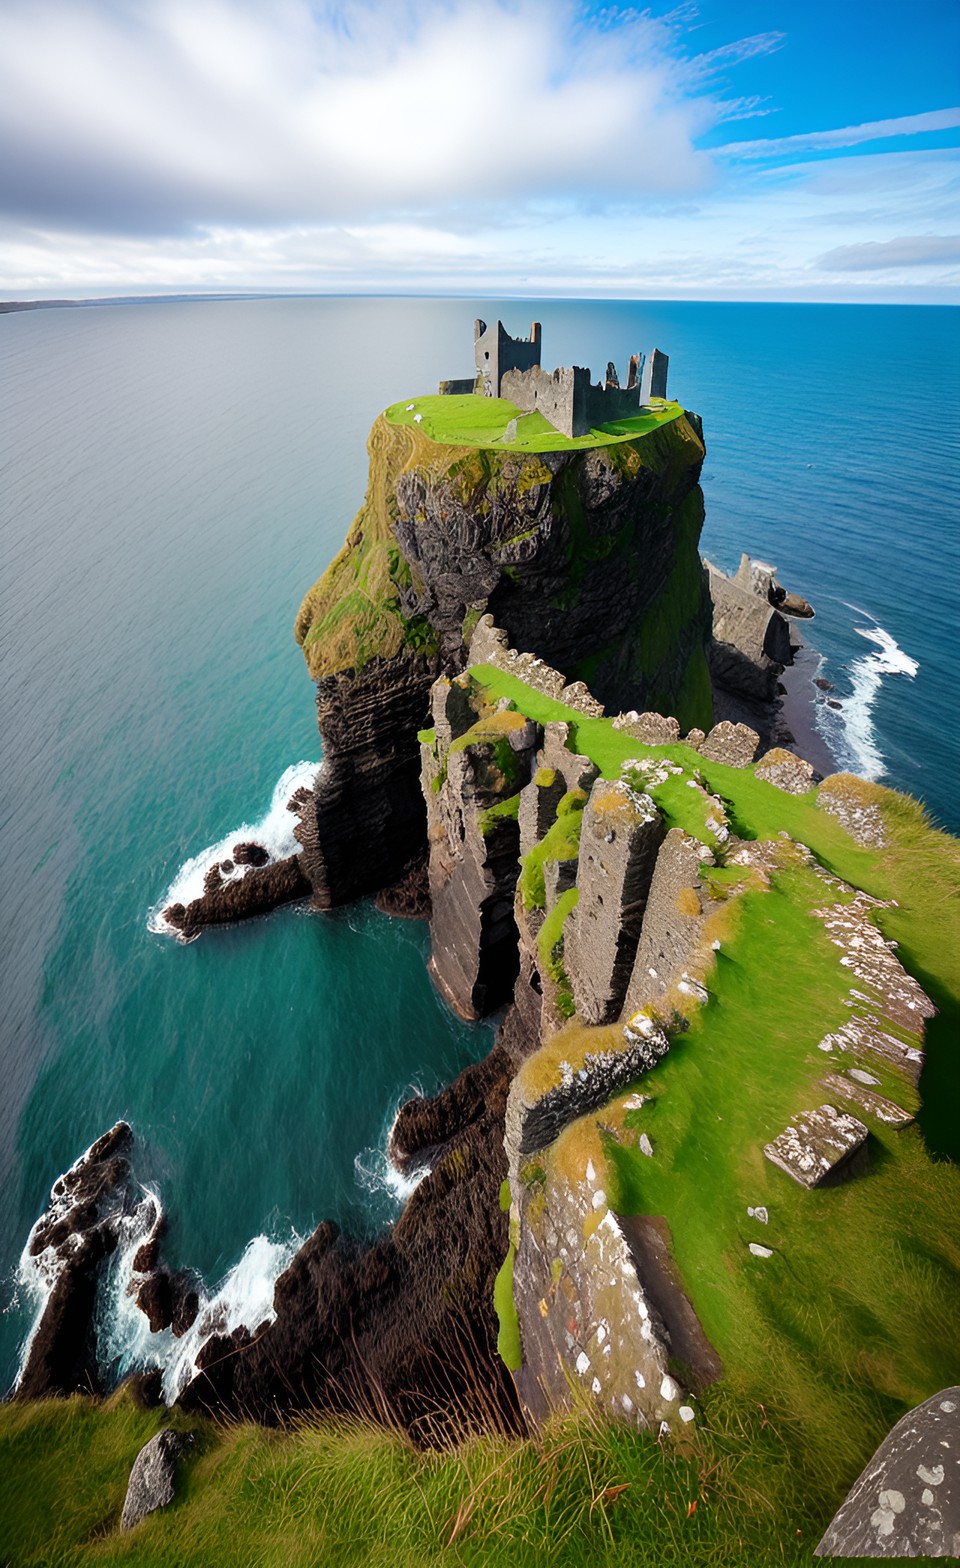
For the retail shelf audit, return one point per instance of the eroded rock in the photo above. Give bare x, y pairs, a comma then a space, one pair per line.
621, 834
734, 744
785, 771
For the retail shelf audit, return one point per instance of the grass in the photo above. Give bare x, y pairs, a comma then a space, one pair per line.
855, 1316
560, 842
353, 614
343, 1493
469, 420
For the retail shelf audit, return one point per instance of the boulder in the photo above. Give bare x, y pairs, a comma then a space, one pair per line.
785, 771
153, 1477
907, 1501
734, 744
250, 854
821, 1146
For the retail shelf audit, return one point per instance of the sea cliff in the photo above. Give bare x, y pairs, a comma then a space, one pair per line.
588, 555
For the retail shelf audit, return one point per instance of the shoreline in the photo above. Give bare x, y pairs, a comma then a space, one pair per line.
798, 706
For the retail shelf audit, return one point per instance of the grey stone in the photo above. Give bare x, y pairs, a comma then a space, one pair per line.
153, 1478
652, 729
785, 771
672, 922
907, 1501
823, 1145
734, 744
751, 639
873, 1104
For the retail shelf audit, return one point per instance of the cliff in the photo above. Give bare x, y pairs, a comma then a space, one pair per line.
586, 551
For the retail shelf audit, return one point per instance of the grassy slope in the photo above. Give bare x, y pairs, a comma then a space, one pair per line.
481, 421
339, 1493
856, 1316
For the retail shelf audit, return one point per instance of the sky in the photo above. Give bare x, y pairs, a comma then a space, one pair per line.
702, 149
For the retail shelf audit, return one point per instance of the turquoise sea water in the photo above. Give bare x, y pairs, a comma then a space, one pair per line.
173, 476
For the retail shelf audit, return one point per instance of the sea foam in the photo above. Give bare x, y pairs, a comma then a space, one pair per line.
849, 730
274, 831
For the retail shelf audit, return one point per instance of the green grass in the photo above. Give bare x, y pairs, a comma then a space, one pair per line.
348, 1493
469, 420
550, 950
856, 1315
560, 842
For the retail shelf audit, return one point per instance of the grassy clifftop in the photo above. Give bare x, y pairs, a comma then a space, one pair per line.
354, 612
483, 421
842, 1308
555, 531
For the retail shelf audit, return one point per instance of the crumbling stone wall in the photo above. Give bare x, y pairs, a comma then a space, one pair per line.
496, 352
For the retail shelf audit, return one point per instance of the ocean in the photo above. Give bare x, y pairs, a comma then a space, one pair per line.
174, 476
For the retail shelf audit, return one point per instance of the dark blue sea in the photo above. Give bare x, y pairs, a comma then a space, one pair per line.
173, 476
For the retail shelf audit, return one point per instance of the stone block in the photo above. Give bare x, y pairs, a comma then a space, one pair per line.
786, 771
734, 744
672, 922
907, 1501
823, 1146
153, 1478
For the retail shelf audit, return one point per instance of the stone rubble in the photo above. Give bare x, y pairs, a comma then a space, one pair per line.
823, 1145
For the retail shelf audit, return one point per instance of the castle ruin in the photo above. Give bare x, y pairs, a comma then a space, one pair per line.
510, 368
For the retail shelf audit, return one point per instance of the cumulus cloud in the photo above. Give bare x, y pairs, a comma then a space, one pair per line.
160, 116
848, 136
917, 250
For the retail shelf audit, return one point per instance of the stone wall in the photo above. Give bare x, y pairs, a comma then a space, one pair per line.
496, 352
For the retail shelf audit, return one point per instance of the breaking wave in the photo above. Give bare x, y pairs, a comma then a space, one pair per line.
274, 831
849, 727
387, 1189
242, 1299
124, 1339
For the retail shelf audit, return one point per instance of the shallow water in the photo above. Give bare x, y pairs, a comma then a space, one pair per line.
174, 476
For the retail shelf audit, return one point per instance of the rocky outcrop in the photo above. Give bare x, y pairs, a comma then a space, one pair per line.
401, 1329
366, 822
474, 767
673, 924
907, 1501
751, 639
621, 834
262, 888
68, 1245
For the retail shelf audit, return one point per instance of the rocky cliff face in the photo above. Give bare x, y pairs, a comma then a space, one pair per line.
590, 556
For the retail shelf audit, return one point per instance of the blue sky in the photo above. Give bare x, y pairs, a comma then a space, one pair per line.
700, 149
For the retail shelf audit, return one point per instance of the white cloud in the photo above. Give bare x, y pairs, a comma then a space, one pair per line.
849, 136
177, 112
917, 250
432, 145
